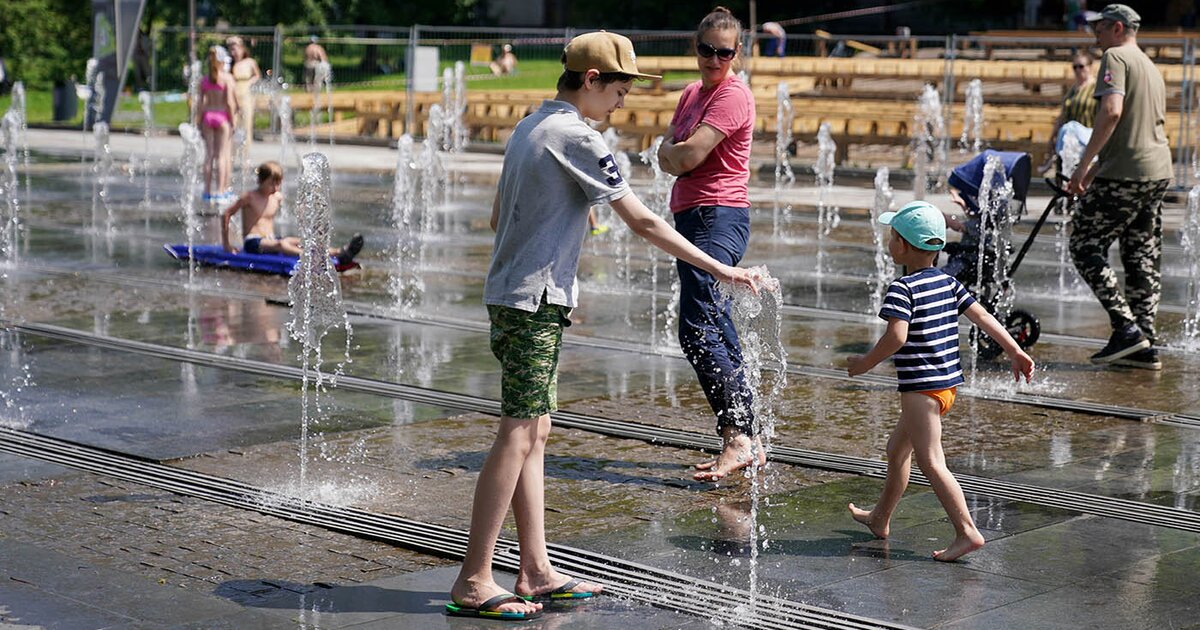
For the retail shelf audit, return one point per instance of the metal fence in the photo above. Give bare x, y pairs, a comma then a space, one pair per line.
376, 57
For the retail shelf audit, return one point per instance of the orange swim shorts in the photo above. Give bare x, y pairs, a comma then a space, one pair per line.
945, 398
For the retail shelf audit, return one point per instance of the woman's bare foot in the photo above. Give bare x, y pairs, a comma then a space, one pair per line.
531, 585
865, 517
961, 546
471, 595
737, 454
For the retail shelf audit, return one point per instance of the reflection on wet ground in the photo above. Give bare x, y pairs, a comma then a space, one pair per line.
1042, 567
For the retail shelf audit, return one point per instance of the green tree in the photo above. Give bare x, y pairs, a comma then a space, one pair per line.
43, 41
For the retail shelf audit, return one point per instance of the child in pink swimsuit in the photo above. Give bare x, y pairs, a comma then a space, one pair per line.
217, 106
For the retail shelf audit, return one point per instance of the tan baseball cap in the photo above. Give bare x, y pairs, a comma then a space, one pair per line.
603, 51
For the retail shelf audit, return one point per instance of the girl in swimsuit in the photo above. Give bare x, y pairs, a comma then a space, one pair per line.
217, 105
245, 74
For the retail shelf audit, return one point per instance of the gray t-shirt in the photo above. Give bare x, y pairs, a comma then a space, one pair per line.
555, 168
1137, 150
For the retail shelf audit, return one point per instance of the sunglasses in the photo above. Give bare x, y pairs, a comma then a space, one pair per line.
707, 51
1078, 66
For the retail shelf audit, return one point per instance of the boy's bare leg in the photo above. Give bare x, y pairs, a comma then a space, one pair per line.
923, 422
536, 574
515, 441
899, 451
289, 246
736, 454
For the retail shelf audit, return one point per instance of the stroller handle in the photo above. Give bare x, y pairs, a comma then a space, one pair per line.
1058, 192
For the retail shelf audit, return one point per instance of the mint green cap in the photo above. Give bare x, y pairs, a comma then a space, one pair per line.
919, 223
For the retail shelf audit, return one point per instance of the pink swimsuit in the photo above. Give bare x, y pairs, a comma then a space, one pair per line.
217, 117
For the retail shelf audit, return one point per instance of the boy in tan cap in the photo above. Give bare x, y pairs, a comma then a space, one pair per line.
555, 168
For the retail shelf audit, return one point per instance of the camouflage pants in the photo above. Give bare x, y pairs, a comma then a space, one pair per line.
527, 346
1129, 213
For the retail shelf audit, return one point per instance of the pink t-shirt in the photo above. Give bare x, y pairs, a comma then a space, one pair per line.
721, 179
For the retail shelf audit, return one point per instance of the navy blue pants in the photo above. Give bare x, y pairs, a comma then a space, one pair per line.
706, 332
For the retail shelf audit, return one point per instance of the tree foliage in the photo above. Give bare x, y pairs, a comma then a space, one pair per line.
43, 41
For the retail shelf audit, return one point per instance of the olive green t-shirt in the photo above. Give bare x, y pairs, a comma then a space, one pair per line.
1137, 150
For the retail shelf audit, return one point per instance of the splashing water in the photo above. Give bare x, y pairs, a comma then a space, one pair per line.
12, 127
20, 379
102, 168
620, 235
992, 285
1190, 242
972, 132
406, 286
433, 174
784, 177
145, 99
928, 144
315, 294
190, 167
461, 134
287, 140
758, 320
828, 217
95, 82
659, 201
885, 269
322, 82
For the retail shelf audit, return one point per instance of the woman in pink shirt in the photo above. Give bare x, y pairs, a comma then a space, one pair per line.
708, 148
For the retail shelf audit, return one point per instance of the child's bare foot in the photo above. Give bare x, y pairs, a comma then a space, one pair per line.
529, 585
961, 546
865, 517
737, 454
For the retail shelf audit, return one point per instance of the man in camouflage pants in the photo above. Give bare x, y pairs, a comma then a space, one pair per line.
1124, 191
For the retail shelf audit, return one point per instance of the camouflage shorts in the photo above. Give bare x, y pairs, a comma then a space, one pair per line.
527, 346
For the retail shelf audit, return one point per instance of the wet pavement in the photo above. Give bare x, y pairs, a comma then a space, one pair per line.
83, 551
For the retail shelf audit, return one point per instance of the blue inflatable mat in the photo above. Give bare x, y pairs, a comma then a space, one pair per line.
216, 256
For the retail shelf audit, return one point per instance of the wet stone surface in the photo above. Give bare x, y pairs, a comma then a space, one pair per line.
84, 551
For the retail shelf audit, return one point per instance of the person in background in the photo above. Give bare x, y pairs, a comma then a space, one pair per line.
707, 146
506, 63
216, 109
314, 55
775, 44
1123, 191
245, 73
1078, 105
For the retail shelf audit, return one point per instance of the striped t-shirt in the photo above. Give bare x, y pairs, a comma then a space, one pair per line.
930, 301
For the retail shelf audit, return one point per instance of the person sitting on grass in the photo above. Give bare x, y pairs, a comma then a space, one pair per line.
258, 208
922, 310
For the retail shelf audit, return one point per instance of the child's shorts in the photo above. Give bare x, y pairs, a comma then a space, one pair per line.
945, 398
527, 346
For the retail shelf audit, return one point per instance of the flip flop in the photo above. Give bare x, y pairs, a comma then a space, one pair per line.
561, 593
487, 610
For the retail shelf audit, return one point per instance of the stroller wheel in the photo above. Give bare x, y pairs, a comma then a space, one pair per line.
985, 348
1024, 328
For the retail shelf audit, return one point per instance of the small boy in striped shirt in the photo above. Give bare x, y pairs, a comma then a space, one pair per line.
922, 310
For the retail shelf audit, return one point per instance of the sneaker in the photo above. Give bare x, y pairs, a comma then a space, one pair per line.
346, 256
1122, 344
1145, 359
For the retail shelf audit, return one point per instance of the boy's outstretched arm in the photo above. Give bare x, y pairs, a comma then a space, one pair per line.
891, 341
226, 216
651, 227
1022, 363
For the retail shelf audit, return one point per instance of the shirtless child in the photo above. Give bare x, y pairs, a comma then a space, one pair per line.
258, 221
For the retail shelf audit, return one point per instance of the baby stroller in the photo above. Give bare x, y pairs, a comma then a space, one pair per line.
963, 261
